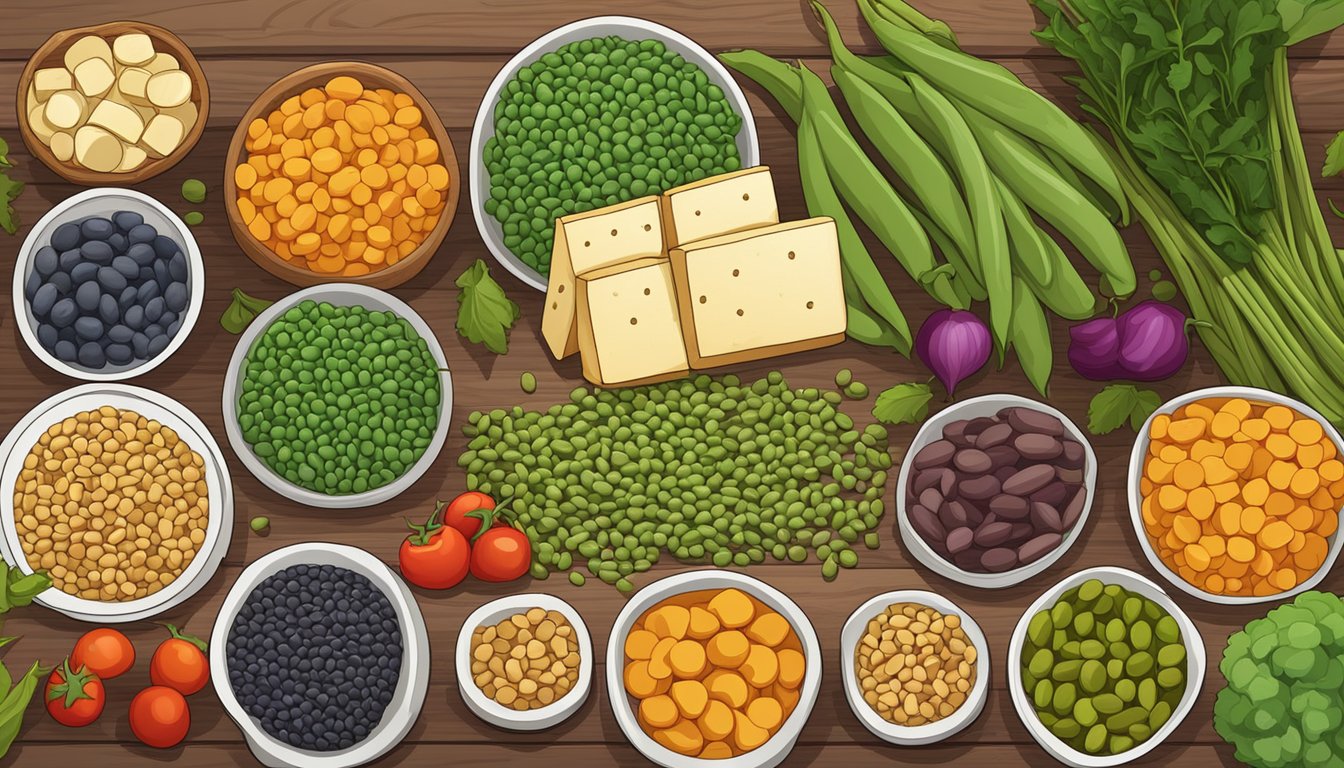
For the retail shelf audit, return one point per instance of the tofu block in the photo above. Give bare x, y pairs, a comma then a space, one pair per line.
760, 293
86, 48
589, 241
132, 84
168, 89
719, 205
185, 114
94, 77
162, 62
120, 120
97, 150
41, 128
62, 146
162, 135
629, 326
133, 49
132, 157
66, 109
49, 80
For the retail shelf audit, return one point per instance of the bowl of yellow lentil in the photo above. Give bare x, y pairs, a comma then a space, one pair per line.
121, 495
341, 171
1235, 494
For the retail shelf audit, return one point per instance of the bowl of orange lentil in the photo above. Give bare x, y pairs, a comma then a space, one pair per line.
1235, 494
341, 171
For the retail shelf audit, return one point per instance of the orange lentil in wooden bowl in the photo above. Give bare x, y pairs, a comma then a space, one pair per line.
1241, 497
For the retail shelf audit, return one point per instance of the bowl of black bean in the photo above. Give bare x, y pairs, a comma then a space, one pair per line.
321, 657
108, 284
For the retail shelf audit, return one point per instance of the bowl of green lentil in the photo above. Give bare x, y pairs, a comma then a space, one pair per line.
594, 113
1103, 667
338, 396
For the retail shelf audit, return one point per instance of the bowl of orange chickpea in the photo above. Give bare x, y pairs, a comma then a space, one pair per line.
1235, 494
341, 172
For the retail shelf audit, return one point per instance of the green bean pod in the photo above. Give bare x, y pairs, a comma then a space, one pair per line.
776, 77
1067, 295
861, 324
1031, 337
964, 279
901, 13
1024, 237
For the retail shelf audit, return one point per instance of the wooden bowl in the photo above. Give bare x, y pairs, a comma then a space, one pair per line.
316, 76
51, 53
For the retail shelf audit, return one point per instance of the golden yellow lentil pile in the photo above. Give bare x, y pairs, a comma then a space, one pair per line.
527, 661
914, 664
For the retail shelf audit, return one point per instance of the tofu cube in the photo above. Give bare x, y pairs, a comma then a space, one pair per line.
168, 89
66, 110
163, 135
49, 80
629, 326
97, 150
119, 119
162, 62
133, 49
731, 202
94, 78
86, 48
132, 83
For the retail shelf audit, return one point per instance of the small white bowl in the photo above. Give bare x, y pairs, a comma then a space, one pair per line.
340, 295
913, 735
630, 28
412, 682
151, 405
932, 431
104, 202
1194, 668
1140, 453
508, 718
769, 754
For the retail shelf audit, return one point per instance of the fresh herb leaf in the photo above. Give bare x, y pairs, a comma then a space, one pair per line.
4, 155
484, 313
1334, 157
14, 702
9, 192
1120, 403
242, 311
903, 404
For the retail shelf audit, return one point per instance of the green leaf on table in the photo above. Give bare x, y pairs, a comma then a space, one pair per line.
1334, 156
9, 192
14, 702
484, 313
4, 155
242, 311
1120, 403
903, 404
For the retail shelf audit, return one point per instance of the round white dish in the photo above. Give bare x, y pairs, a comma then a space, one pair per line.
769, 754
915, 735
412, 683
1194, 669
341, 295
151, 405
105, 201
1140, 452
630, 28
508, 718
931, 431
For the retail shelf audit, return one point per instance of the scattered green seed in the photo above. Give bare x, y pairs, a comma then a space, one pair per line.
528, 382
843, 377
1154, 274
576, 578
193, 191
260, 523
857, 390
193, 218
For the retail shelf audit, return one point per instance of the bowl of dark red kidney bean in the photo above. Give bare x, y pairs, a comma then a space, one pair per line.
994, 490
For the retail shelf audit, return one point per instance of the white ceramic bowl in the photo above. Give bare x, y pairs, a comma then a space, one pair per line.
412, 682
340, 295
1140, 453
151, 405
931, 431
1194, 668
915, 735
508, 718
105, 202
769, 754
627, 27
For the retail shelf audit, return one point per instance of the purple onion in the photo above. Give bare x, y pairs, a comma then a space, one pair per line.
1094, 349
954, 344
1154, 345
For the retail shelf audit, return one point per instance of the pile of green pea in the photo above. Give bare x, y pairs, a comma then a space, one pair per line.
704, 469
599, 122
339, 400
1104, 667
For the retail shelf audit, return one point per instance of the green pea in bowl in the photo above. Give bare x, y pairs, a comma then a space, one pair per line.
341, 406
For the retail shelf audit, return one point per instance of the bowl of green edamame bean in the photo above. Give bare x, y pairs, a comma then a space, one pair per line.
338, 396
1103, 667
594, 113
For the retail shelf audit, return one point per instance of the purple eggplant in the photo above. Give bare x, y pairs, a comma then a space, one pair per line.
1146, 343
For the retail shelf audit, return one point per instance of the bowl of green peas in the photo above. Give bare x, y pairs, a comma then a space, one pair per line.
338, 396
594, 113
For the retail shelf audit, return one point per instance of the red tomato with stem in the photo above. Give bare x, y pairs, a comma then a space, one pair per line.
160, 717
104, 652
180, 663
500, 551
74, 697
434, 556
465, 512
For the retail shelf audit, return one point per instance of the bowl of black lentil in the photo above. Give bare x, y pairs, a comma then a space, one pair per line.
594, 113
338, 396
107, 285
320, 656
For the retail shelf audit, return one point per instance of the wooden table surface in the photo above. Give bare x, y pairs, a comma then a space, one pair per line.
451, 50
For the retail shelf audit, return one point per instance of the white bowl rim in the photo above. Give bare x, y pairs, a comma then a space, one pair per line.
412, 683
492, 711
932, 430
23, 316
774, 750
1195, 665
1140, 452
219, 528
479, 187
355, 294
917, 734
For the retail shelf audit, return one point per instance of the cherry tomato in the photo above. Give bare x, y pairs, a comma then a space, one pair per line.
434, 556
502, 553
180, 663
75, 697
105, 652
455, 513
160, 717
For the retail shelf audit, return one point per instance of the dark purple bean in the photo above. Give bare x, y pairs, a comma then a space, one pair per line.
1003, 456
998, 560
968, 560
1074, 454
1038, 447
1052, 494
1039, 547
935, 454
1026, 420
1069, 476
1069, 517
953, 514
994, 435
926, 524
956, 432
959, 539
1025, 481
972, 461
1003, 473
1021, 532
993, 534
1046, 517
982, 487
1009, 507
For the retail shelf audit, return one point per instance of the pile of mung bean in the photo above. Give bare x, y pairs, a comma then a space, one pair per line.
704, 469
114, 506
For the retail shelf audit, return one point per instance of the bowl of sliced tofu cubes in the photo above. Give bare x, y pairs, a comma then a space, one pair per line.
112, 104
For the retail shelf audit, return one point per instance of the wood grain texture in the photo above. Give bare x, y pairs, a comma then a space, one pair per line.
450, 51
